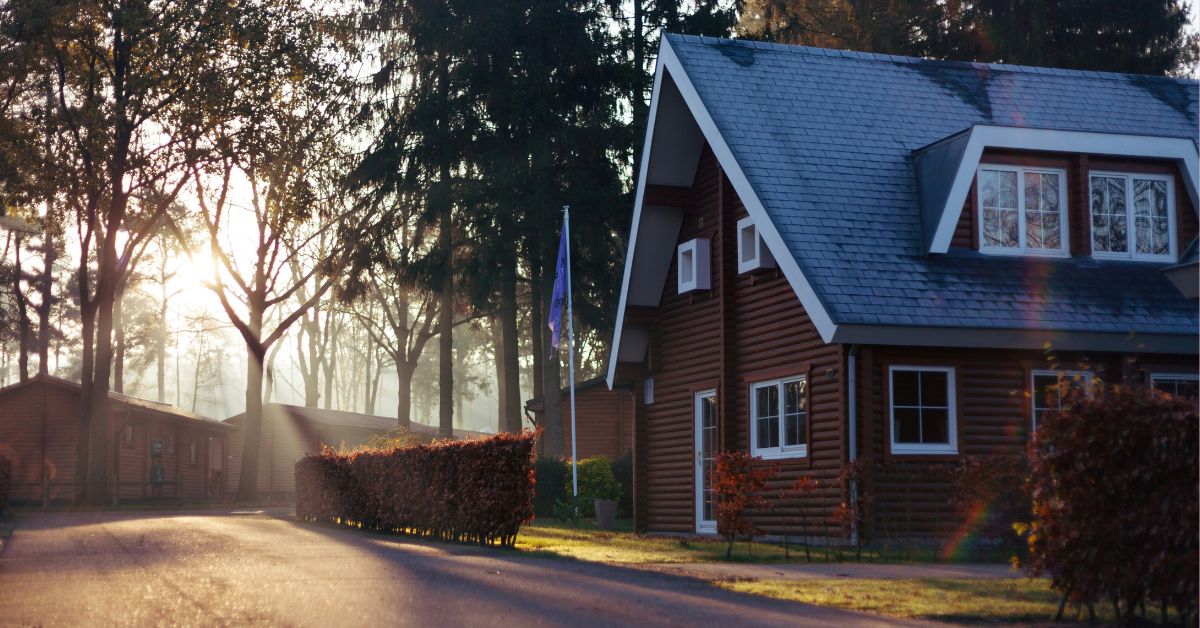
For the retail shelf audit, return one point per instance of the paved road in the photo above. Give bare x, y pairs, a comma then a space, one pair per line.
254, 567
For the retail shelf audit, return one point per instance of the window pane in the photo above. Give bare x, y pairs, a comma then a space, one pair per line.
794, 415
1045, 392
989, 194
907, 425
767, 407
1006, 185
795, 429
904, 388
1042, 211
935, 426
1109, 227
1150, 217
933, 389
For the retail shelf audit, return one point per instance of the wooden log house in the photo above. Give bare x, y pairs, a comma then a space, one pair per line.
839, 256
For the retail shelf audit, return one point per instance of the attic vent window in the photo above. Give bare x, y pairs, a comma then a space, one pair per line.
752, 251
692, 259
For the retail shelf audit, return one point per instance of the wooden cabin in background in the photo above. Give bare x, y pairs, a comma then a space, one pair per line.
605, 422
156, 450
291, 432
839, 256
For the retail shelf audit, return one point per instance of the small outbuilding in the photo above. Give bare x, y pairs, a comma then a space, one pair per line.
291, 432
605, 425
156, 450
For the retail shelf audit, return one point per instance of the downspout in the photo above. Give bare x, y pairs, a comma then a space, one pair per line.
852, 431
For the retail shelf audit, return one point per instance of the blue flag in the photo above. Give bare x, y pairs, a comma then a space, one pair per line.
556, 299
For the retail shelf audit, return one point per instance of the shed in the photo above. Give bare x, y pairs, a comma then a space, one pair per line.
605, 422
156, 450
291, 432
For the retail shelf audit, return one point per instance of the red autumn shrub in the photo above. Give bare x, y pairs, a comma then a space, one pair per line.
5, 482
739, 486
1115, 502
991, 493
478, 491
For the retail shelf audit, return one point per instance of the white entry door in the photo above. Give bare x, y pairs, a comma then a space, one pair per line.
706, 445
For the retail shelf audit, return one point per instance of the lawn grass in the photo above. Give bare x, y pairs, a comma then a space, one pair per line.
584, 541
960, 600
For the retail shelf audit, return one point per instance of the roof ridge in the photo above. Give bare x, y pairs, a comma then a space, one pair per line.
948, 63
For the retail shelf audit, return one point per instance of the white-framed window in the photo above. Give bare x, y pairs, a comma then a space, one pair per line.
692, 259
1049, 388
1022, 210
1185, 385
648, 391
921, 400
192, 451
779, 418
1133, 216
752, 251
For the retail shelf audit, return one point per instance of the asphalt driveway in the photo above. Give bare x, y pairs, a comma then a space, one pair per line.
255, 567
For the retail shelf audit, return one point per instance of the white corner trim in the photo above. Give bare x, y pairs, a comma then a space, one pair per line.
631, 246
1182, 150
766, 228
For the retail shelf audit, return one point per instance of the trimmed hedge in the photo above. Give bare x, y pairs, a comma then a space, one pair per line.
1115, 502
5, 482
477, 491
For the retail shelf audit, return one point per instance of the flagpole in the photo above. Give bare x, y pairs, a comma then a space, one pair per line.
571, 352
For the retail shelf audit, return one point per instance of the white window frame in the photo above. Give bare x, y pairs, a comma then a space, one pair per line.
693, 264
950, 447
1188, 377
782, 451
1021, 248
1130, 226
1088, 377
761, 256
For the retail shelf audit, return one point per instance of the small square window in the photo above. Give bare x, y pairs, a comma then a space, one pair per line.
692, 258
752, 251
922, 410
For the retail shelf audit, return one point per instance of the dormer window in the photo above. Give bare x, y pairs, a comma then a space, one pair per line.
692, 260
752, 251
1132, 216
1022, 211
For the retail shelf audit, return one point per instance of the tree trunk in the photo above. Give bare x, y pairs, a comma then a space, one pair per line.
24, 325
96, 491
252, 421
160, 353
536, 324
404, 377
498, 360
47, 290
552, 437
445, 244
368, 380
119, 329
510, 420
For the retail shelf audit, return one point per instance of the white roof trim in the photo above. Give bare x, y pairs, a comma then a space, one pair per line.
669, 62
1182, 150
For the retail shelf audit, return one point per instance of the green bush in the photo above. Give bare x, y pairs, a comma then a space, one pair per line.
596, 481
550, 473
623, 471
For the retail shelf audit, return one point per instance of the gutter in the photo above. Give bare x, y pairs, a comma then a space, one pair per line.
852, 430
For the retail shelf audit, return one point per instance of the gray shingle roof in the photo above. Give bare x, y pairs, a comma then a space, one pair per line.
825, 138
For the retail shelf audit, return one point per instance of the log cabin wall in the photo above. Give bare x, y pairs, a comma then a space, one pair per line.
910, 493
747, 328
966, 232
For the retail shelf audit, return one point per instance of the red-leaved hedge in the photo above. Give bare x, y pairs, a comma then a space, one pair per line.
478, 491
5, 482
1115, 502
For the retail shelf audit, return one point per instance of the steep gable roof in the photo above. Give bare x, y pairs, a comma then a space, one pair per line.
821, 143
